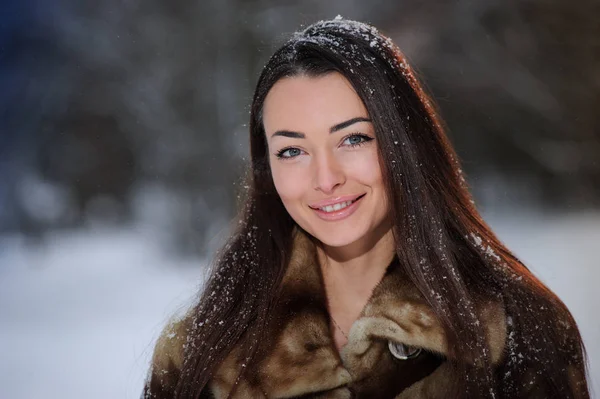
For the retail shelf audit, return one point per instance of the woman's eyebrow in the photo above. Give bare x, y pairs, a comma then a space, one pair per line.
333, 129
288, 133
347, 123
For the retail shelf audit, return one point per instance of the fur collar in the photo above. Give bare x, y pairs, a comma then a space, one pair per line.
299, 357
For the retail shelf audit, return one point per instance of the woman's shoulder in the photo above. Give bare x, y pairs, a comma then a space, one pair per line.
170, 344
167, 359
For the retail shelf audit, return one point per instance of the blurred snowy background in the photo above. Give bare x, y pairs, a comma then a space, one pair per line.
123, 142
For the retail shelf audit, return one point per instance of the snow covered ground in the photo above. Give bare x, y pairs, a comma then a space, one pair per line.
79, 313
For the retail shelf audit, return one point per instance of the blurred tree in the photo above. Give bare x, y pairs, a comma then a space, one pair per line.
517, 83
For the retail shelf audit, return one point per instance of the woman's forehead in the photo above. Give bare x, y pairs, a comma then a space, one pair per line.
312, 102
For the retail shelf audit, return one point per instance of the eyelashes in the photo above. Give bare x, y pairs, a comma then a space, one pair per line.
354, 140
281, 153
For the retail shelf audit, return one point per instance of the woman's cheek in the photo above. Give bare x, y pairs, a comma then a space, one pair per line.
289, 182
363, 166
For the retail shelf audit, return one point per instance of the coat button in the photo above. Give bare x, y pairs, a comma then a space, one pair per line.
403, 352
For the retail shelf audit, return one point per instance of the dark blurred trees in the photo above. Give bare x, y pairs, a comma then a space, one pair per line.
106, 102
518, 83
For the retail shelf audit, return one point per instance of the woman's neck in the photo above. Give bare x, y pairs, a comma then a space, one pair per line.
351, 276
360, 272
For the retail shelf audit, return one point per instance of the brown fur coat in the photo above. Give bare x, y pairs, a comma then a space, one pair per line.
301, 360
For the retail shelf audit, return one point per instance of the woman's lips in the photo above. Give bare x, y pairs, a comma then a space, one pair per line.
341, 213
335, 200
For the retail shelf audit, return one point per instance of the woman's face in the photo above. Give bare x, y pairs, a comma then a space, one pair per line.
324, 160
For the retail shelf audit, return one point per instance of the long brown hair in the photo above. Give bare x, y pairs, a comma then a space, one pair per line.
442, 242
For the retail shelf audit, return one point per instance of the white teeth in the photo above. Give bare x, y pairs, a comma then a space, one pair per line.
336, 207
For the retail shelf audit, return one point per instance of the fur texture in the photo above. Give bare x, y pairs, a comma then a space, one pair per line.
298, 357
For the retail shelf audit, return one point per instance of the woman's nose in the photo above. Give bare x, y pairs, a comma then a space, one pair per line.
328, 173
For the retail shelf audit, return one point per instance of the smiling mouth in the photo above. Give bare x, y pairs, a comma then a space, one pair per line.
338, 206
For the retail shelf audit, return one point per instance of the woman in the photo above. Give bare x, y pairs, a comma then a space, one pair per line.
360, 267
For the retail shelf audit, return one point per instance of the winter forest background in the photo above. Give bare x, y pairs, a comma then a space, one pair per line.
123, 143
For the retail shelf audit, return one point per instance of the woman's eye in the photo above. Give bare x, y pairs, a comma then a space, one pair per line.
356, 139
288, 153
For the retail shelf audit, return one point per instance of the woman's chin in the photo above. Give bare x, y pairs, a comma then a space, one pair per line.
336, 240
